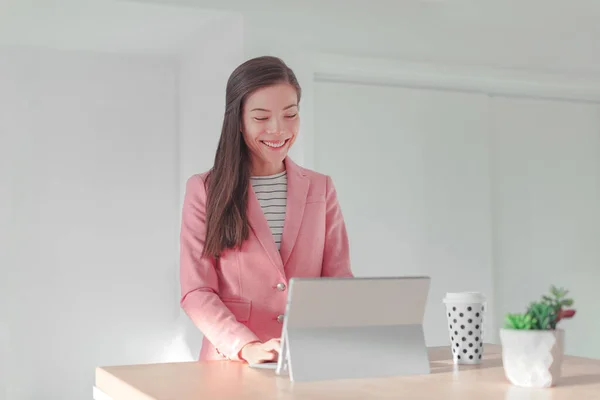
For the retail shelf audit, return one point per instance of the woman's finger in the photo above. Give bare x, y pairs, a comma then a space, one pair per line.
272, 346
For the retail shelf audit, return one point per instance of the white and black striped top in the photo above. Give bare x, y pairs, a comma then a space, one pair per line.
271, 192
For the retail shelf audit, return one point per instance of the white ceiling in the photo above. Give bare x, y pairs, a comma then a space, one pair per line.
101, 25
550, 35
554, 35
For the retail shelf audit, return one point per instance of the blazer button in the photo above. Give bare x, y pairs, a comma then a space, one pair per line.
281, 287
280, 318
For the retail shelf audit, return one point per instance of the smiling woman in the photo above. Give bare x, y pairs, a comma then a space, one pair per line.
255, 220
270, 125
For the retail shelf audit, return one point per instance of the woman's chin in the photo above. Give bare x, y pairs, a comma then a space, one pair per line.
275, 155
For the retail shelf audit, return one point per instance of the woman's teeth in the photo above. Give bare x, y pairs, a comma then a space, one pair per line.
274, 144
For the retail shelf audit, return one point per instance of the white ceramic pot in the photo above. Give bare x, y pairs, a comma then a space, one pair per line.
532, 358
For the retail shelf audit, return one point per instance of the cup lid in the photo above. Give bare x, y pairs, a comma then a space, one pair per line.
464, 297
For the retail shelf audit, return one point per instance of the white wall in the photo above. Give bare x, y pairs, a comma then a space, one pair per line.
6, 180
411, 168
96, 146
203, 73
94, 212
482, 192
546, 209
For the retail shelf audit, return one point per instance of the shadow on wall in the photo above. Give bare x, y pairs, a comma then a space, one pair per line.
187, 343
3, 359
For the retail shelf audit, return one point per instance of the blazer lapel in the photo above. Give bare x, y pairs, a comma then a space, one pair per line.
261, 229
297, 190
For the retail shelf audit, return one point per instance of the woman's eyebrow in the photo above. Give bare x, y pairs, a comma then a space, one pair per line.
265, 110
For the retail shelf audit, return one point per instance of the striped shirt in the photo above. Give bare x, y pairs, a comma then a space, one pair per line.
271, 192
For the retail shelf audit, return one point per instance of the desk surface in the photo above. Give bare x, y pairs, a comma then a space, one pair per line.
234, 380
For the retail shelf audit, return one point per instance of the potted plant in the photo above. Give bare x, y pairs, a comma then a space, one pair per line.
532, 345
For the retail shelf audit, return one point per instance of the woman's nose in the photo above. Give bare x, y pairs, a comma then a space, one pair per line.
274, 127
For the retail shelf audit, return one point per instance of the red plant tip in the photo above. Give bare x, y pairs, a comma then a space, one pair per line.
562, 314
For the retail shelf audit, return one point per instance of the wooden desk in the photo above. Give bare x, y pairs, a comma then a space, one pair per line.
231, 380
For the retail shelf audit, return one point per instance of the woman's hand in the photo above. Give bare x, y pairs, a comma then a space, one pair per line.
257, 352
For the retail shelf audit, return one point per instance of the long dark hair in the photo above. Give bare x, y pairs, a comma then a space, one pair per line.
229, 179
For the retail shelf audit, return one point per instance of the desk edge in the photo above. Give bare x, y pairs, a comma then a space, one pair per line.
108, 384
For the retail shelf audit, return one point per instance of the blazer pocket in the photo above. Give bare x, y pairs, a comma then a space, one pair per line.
239, 307
315, 198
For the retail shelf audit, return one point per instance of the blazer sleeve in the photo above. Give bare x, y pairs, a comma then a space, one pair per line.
199, 283
336, 254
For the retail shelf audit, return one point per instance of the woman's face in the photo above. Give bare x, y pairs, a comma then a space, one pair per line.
270, 124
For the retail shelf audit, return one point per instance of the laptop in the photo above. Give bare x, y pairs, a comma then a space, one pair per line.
348, 328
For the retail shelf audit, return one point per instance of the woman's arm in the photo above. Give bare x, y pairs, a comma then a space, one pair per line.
336, 255
198, 278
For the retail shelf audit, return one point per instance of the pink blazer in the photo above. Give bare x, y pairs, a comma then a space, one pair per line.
241, 297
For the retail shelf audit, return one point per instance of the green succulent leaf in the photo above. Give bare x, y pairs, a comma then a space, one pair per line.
545, 314
519, 321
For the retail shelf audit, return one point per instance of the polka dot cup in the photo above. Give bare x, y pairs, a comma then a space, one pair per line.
464, 312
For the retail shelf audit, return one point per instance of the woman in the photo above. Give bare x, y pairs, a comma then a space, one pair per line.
255, 220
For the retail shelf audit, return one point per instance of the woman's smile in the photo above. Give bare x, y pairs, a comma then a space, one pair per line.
275, 144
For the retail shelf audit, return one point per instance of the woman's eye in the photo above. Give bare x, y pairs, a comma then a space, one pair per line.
261, 118
292, 116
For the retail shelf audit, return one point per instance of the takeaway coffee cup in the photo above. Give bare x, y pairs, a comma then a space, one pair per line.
464, 312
